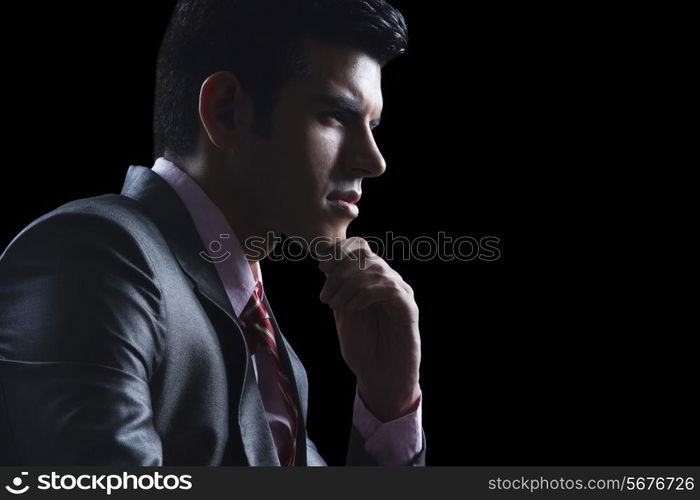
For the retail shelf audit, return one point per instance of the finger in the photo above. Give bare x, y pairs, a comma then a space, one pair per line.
376, 268
329, 258
370, 295
399, 279
349, 289
344, 273
333, 282
403, 284
354, 248
323, 248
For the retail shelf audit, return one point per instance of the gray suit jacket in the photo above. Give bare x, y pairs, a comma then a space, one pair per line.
118, 344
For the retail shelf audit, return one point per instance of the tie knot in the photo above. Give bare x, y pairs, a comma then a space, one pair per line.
257, 291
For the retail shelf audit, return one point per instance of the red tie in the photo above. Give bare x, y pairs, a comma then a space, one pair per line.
259, 328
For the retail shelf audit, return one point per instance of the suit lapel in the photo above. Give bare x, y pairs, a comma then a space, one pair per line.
171, 216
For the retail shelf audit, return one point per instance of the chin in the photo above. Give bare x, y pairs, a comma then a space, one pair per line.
318, 224
331, 231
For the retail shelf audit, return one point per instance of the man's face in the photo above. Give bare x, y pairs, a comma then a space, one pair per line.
322, 144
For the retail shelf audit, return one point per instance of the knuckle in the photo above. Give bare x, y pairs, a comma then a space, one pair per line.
375, 266
356, 244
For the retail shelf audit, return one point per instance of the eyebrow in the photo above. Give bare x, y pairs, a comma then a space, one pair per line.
344, 103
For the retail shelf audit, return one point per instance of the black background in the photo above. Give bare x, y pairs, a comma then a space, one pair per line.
498, 122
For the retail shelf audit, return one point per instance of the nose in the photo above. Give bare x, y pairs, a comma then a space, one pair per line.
367, 160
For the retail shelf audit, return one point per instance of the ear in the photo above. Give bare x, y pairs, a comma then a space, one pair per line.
222, 108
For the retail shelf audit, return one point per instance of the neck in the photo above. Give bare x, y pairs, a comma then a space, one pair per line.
232, 198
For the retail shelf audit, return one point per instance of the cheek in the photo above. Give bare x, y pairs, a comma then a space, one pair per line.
308, 158
301, 160
321, 151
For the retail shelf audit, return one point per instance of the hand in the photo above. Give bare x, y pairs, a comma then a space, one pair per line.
377, 321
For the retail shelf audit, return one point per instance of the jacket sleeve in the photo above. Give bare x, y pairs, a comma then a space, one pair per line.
81, 332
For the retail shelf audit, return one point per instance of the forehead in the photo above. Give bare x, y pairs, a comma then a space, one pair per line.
340, 70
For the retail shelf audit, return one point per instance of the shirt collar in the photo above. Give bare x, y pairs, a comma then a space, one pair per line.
221, 246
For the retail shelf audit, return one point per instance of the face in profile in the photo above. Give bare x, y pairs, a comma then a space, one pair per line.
322, 145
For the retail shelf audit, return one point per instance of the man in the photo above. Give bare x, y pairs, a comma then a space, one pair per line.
125, 342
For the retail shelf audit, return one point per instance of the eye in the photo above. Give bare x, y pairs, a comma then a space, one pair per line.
334, 115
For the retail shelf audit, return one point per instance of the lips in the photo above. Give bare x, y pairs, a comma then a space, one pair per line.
347, 196
346, 209
344, 202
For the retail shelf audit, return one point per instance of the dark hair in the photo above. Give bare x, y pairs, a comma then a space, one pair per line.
260, 42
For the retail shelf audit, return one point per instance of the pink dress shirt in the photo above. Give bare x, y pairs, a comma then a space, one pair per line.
390, 443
